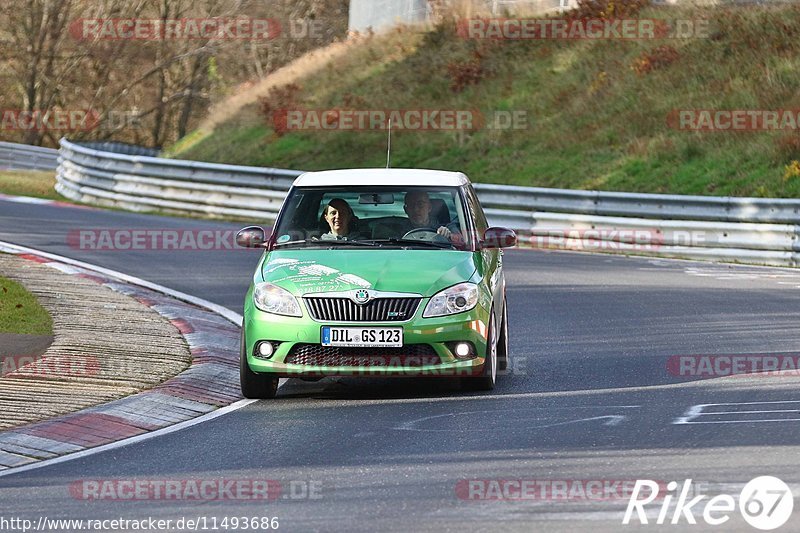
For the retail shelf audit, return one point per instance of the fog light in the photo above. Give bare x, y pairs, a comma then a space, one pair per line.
265, 349
462, 349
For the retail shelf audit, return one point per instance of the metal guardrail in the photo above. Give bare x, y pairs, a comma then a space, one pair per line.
121, 148
15, 156
26, 157
751, 230
146, 183
626, 204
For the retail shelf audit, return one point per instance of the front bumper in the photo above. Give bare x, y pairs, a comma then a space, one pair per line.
289, 332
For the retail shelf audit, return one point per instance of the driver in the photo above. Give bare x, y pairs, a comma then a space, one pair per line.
418, 208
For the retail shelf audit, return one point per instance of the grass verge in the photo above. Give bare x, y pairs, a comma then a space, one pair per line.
37, 184
598, 110
29, 183
20, 312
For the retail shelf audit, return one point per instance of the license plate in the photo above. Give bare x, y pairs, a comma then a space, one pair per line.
362, 337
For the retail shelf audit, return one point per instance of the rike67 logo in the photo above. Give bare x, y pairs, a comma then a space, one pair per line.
765, 503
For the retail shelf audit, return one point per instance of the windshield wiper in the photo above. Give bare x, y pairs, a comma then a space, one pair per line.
347, 243
321, 242
415, 242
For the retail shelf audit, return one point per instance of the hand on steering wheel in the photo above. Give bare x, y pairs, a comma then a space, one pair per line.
435, 235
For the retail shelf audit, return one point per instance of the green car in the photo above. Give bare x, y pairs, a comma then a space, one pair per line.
376, 272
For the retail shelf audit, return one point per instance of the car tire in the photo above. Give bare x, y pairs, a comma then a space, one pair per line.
254, 386
488, 377
502, 346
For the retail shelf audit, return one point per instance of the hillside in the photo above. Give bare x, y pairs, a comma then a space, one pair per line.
601, 113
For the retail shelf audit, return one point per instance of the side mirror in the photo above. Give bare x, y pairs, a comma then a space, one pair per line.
251, 237
499, 238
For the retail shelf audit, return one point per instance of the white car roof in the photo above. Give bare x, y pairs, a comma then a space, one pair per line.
381, 176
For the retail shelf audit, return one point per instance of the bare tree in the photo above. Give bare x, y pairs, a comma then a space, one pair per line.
160, 85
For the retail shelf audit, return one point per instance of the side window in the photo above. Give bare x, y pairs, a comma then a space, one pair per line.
481, 225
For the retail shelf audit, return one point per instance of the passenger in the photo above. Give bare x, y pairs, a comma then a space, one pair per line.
341, 220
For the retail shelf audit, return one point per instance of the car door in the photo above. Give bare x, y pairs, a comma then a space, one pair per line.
491, 259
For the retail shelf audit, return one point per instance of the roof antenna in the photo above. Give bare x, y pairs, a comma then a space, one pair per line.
389, 148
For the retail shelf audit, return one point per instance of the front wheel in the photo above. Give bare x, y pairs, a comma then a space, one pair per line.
502, 345
254, 386
488, 378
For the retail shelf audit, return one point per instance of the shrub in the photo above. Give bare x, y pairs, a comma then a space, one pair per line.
792, 170
464, 73
275, 105
606, 9
787, 148
660, 57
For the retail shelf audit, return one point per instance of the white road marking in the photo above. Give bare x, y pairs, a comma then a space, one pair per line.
695, 412
27, 200
218, 309
744, 421
611, 420
748, 412
746, 273
131, 440
236, 318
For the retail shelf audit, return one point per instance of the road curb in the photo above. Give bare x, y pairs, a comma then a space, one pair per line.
211, 382
46, 201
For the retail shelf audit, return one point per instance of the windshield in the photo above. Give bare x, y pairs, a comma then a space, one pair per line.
425, 217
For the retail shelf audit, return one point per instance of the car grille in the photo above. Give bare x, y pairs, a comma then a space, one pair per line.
346, 310
413, 355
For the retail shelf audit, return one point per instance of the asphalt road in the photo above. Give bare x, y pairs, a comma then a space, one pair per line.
591, 395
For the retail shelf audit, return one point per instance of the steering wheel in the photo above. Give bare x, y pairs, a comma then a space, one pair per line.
425, 234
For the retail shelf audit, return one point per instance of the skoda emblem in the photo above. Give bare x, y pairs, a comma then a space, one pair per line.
361, 296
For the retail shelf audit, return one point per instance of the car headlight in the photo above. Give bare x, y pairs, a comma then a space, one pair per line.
456, 299
272, 299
